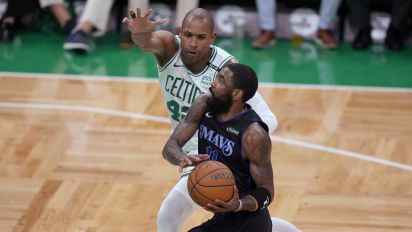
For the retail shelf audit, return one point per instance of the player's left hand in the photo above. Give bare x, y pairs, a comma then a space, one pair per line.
220, 206
192, 160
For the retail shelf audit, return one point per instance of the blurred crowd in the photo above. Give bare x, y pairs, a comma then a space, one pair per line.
80, 30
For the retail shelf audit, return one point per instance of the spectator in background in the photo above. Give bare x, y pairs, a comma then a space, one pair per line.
60, 12
18, 9
184, 6
11, 20
95, 18
93, 22
328, 12
360, 15
266, 10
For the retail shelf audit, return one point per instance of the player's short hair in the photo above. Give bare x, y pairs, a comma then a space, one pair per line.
244, 78
202, 14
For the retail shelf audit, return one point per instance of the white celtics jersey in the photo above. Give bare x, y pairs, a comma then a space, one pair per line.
180, 87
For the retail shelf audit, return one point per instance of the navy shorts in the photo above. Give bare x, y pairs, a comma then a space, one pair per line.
242, 221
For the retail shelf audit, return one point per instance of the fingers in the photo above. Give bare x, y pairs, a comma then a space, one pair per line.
236, 193
132, 14
125, 20
212, 207
184, 163
138, 12
159, 22
147, 15
204, 157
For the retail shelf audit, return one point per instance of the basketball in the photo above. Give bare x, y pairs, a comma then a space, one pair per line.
210, 180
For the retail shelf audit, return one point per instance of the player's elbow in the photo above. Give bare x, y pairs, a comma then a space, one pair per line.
144, 48
165, 151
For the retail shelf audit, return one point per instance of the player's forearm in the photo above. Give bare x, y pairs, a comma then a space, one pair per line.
172, 152
143, 40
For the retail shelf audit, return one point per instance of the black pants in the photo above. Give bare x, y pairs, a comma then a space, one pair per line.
20, 8
242, 221
360, 13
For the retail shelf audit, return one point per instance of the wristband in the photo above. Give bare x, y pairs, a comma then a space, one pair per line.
240, 206
262, 197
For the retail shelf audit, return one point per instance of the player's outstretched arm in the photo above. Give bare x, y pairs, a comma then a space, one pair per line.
162, 43
172, 151
257, 148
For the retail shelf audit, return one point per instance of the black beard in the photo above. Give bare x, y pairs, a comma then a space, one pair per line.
220, 105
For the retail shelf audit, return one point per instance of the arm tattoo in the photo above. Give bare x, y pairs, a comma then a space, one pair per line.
257, 148
196, 111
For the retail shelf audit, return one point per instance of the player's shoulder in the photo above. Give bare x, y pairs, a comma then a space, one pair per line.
220, 56
256, 134
221, 52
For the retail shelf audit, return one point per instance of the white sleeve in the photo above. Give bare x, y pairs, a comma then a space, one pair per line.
262, 109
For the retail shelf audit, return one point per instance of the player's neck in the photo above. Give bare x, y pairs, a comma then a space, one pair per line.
234, 110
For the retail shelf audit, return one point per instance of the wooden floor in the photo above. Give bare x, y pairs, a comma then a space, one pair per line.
66, 166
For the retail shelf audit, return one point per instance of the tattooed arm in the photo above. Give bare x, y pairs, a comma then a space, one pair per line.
257, 148
172, 151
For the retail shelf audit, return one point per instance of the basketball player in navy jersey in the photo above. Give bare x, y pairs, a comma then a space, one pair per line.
232, 133
187, 64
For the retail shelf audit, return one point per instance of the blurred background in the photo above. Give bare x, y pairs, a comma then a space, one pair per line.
83, 124
315, 43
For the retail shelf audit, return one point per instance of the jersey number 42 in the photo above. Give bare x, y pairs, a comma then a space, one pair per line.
177, 112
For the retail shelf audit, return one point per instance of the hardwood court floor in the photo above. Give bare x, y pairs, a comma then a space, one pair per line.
71, 159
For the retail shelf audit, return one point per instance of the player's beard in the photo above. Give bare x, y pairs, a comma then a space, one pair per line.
221, 105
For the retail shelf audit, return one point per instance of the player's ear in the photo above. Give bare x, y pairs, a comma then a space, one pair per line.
238, 94
213, 36
180, 32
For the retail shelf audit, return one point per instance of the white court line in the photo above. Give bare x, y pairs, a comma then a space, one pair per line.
313, 146
86, 109
340, 152
155, 80
62, 76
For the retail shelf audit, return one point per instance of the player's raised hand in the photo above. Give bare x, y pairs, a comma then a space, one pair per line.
138, 23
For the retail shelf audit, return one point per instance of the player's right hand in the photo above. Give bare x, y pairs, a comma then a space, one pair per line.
139, 24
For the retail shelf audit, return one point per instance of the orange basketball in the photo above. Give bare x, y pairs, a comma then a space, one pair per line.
210, 180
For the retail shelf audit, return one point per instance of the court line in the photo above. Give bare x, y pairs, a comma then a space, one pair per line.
86, 109
155, 80
340, 152
275, 138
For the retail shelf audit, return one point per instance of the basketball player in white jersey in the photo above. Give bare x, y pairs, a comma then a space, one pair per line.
187, 64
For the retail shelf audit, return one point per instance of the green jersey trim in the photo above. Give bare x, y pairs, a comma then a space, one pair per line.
224, 62
162, 68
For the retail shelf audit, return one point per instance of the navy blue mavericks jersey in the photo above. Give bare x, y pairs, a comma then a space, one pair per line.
223, 142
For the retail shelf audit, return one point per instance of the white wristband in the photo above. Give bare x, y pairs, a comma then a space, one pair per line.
240, 206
